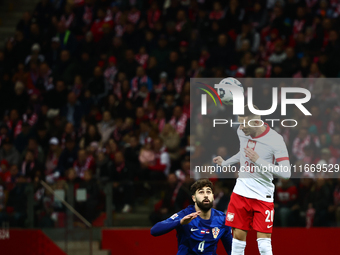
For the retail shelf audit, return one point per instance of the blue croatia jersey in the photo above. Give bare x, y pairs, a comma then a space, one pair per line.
199, 236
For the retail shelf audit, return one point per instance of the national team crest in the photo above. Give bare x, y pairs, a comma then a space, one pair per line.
230, 216
215, 231
251, 144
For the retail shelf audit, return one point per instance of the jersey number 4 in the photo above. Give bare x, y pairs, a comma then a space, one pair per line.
201, 246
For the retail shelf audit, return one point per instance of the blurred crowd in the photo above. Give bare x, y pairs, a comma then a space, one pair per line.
97, 91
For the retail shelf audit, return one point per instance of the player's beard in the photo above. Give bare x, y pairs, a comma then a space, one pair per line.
204, 206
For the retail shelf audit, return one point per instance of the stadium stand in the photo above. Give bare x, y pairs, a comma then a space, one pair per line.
97, 91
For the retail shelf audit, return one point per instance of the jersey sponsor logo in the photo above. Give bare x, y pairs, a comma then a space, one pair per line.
194, 229
174, 216
269, 226
230, 216
215, 231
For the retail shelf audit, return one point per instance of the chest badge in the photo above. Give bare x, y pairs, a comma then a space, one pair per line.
251, 144
215, 231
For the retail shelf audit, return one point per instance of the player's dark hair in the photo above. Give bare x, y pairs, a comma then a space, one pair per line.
247, 112
200, 184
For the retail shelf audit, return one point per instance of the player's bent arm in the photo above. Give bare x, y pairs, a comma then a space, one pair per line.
283, 170
233, 160
165, 226
227, 240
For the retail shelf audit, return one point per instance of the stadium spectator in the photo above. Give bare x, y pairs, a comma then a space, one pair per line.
68, 132
52, 159
36, 149
66, 37
83, 163
9, 153
301, 141
168, 205
320, 201
132, 154
73, 110
171, 141
67, 156
87, 208
159, 169
16, 204
122, 184
56, 98
91, 135
146, 154
287, 208
65, 69
84, 69
179, 121
30, 166
103, 167
4, 172
222, 197
159, 121
105, 127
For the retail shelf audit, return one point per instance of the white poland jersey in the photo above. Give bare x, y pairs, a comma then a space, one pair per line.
270, 146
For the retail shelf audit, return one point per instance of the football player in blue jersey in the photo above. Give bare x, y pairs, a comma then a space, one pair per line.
199, 227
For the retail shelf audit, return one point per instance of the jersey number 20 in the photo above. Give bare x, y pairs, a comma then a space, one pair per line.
270, 215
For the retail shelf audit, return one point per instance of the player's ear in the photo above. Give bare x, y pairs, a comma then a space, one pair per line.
193, 198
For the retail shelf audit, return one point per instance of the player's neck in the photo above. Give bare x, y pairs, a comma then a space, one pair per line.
203, 215
259, 131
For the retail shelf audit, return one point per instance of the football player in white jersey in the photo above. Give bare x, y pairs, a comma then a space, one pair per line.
251, 205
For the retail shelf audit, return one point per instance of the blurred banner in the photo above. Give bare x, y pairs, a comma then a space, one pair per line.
29, 242
303, 241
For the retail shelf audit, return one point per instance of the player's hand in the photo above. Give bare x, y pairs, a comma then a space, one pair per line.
186, 219
218, 160
251, 154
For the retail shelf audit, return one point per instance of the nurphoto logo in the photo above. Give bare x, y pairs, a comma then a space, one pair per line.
231, 92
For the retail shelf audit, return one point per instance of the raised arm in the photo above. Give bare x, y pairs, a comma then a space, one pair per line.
165, 226
171, 223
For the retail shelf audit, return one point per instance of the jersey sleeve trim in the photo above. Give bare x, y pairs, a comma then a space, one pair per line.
282, 159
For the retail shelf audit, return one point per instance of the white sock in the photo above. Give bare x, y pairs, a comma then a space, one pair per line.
238, 247
265, 246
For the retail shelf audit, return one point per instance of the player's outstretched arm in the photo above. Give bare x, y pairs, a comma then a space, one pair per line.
233, 160
171, 223
227, 240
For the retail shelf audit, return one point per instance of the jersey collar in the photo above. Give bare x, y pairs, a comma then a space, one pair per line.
264, 132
